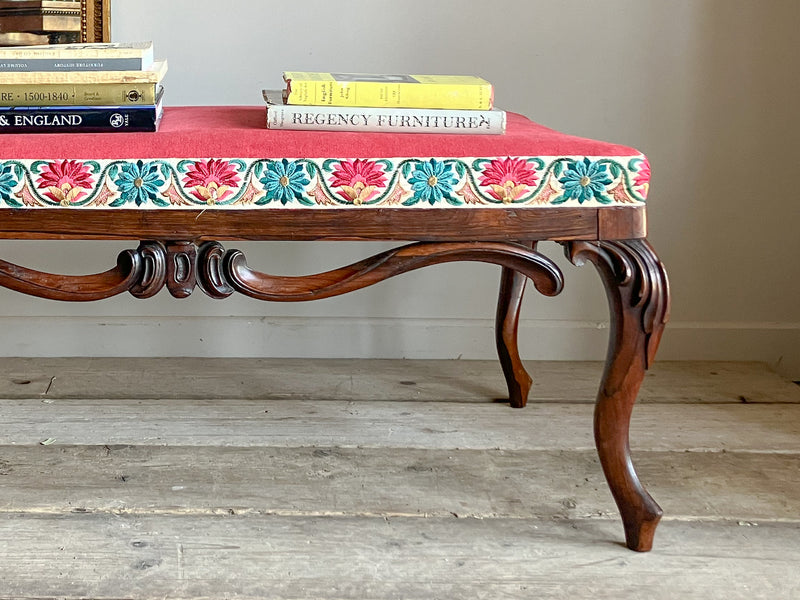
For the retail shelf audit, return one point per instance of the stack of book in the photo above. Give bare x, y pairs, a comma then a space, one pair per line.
80, 88
388, 103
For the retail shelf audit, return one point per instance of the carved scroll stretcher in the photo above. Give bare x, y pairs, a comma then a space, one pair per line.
181, 265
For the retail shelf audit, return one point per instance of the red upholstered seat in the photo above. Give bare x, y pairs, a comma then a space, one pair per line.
225, 157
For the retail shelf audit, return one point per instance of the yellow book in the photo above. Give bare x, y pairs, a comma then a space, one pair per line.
383, 90
87, 94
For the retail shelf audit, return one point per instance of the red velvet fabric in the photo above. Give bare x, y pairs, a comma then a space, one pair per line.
240, 132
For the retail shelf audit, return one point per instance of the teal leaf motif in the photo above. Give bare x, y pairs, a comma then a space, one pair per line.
118, 202
616, 171
330, 163
559, 200
7, 181
19, 171
262, 201
407, 166
558, 168
305, 201
308, 166
460, 169
184, 165
160, 201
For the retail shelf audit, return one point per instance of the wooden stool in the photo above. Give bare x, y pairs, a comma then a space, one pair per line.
216, 173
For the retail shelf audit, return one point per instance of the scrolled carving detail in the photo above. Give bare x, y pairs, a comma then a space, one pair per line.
181, 272
153, 272
210, 276
170, 264
640, 277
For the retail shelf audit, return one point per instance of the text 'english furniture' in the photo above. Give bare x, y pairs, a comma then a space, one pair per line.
214, 174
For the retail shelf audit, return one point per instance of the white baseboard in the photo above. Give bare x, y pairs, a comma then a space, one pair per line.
777, 344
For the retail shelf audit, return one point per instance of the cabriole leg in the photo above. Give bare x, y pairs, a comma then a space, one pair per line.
512, 288
638, 295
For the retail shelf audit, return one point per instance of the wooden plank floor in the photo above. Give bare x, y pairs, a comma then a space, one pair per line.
353, 479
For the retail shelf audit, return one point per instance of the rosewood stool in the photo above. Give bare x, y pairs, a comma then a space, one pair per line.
216, 173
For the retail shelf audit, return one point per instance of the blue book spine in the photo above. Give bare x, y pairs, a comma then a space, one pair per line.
79, 119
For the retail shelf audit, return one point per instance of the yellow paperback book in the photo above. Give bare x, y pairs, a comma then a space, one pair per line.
384, 90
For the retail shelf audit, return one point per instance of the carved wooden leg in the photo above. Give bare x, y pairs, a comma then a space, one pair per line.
638, 295
512, 287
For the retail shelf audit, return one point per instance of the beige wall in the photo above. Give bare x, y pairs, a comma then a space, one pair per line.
707, 88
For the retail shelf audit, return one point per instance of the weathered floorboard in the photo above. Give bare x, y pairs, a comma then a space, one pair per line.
384, 482
110, 556
353, 380
292, 423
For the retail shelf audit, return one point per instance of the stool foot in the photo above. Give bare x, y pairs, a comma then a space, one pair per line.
638, 294
512, 288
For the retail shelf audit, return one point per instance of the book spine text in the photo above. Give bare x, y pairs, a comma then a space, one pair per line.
79, 119
97, 94
26, 65
398, 120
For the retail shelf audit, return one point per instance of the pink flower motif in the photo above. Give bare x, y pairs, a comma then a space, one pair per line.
358, 179
65, 181
508, 178
642, 180
212, 180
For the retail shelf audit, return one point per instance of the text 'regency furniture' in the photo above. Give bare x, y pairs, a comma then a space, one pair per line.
216, 173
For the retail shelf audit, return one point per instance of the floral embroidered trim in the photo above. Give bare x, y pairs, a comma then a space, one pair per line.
325, 183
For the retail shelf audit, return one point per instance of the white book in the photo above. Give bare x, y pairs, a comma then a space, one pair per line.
393, 120
120, 56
